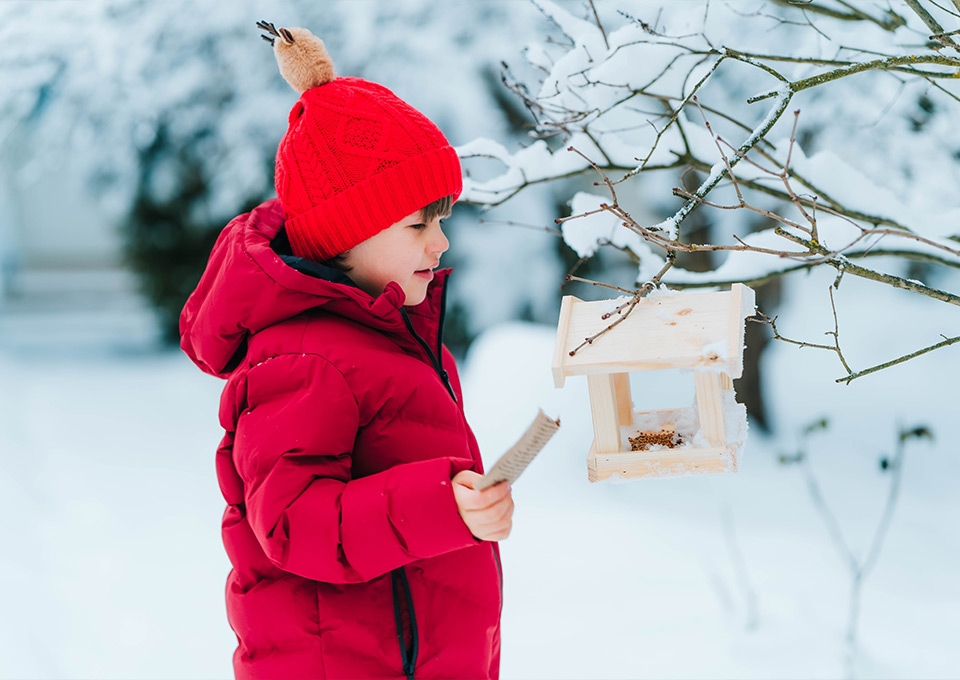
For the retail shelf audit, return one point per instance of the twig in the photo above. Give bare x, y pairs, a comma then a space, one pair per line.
759, 132
931, 23
899, 360
740, 568
858, 67
859, 568
766, 320
606, 180
637, 296
776, 193
673, 119
511, 223
956, 3
571, 277
836, 329
599, 25
895, 281
891, 24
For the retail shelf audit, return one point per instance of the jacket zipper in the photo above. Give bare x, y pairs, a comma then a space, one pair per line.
443, 310
437, 365
437, 361
408, 657
496, 557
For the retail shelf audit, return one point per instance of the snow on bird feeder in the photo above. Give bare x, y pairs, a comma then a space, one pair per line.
698, 331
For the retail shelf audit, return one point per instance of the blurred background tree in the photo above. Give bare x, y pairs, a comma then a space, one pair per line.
171, 113
172, 126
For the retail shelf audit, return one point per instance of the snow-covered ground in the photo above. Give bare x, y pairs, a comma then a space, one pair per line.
112, 564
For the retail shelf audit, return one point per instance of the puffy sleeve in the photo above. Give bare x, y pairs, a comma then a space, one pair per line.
293, 449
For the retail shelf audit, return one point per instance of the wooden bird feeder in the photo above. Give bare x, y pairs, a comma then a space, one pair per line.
698, 331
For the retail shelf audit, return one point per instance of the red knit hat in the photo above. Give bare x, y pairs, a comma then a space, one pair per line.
355, 158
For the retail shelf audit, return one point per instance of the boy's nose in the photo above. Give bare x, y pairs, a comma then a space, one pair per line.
440, 243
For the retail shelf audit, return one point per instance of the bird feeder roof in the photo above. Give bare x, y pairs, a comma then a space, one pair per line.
672, 330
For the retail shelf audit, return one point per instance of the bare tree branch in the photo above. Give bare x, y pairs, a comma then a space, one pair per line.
899, 360
599, 25
931, 23
888, 63
891, 23
858, 568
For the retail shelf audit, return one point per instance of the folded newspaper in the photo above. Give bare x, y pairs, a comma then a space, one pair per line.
512, 463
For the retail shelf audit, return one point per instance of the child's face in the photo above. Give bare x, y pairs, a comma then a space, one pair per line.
404, 252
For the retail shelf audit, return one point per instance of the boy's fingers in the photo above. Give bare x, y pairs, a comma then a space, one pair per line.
466, 478
492, 517
497, 492
484, 524
496, 535
481, 500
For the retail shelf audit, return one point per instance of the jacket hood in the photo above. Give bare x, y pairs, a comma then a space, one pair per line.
248, 285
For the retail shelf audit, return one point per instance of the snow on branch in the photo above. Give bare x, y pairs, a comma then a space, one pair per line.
674, 91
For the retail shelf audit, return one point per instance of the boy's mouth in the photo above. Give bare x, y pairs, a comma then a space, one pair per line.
427, 272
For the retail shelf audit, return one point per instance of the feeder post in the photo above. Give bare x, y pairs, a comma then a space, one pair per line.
743, 303
621, 387
560, 347
710, 405
603, 408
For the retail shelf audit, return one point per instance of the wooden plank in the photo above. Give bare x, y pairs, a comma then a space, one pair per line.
668, 331
676, 412
603, 408
662, 463
725, 382
560, 349
710, 406
691, 362
742, 304
621, 388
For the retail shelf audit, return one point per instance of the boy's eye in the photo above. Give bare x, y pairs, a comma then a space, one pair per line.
419, 226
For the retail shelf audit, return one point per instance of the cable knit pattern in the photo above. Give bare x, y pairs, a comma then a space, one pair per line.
355, 159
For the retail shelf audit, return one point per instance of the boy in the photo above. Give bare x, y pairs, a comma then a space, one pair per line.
359, 547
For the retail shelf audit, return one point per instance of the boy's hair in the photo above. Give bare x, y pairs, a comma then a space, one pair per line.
441, 207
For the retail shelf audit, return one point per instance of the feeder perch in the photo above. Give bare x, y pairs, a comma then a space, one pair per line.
698, 331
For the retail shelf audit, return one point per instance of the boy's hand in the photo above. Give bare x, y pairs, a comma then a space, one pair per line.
488, 514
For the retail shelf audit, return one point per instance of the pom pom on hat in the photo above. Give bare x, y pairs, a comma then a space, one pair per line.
302, 56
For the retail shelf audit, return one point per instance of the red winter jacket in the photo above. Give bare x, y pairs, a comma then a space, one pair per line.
344, 426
